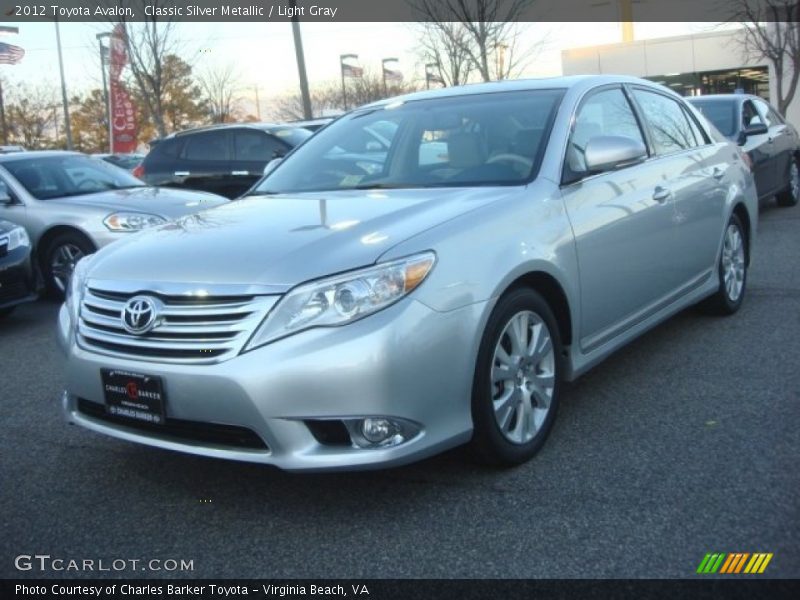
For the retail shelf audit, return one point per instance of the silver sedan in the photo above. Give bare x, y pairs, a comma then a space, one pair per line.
360, 310
72, 204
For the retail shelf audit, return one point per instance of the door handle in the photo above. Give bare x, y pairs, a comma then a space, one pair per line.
240, 172
718, 173
661, 194
182, 173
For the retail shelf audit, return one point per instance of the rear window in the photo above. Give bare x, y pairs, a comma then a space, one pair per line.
207, 146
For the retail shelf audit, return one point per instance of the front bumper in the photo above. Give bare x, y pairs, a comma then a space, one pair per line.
17, 281
406, 362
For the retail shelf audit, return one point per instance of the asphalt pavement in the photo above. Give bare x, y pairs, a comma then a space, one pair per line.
683, 443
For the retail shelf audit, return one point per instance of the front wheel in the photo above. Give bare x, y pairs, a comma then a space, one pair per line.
60, 258
791, 195
517, 380
732, 272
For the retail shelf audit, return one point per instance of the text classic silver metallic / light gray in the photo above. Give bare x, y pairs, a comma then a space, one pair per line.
371, 304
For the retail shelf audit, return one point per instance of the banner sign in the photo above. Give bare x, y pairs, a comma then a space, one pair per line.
123, 115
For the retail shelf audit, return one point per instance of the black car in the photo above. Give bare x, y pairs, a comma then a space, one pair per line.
125, 161
771, 143
222, 159
17, 281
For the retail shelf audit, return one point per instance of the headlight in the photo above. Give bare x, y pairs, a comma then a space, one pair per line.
18, 237
344, 298
132, 221
75, 287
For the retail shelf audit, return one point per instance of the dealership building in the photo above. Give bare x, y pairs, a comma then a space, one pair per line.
706, 63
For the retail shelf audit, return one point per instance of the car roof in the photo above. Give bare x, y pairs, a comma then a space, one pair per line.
732, 97
511, 85
30, 154
268, 127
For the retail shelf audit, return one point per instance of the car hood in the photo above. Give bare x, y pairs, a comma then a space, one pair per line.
167, 202
284, 240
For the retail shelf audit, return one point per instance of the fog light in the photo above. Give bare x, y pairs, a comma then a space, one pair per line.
376, 431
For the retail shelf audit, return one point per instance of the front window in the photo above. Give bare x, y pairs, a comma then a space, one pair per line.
482, 139
721, 113
68, 175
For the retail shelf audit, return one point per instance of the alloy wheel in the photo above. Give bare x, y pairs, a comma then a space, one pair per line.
62, 263
733, 262
523, 377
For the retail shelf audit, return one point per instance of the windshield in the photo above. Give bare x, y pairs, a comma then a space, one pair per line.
482, 139
48, 177
722, 113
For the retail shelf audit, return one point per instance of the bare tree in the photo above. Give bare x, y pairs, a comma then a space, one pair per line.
220, 85
148, 44
445, 45
486, 31
772, 31
30, 114
327, 98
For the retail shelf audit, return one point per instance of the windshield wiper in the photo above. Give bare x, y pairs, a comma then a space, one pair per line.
262, 193
380, 186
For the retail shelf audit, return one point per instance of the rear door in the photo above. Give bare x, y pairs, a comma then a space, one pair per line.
252, 150
622, 222
205, 162
693, 171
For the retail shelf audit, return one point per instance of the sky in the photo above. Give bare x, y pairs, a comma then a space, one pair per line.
263, 53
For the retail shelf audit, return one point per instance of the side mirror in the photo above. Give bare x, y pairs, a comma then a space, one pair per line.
609, 152
272, 164
755, 129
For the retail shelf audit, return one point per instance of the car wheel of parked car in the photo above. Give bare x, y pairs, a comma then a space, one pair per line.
517, 380
4, 312
732, 272
791, 194
60, 258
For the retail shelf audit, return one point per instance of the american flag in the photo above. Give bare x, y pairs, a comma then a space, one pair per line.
352, 71
10, 54
392, 75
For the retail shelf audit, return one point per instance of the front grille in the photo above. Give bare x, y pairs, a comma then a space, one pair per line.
189, 329
189, 431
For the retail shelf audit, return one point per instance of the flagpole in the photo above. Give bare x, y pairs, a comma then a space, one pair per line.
3, 115
67, 127
341, 66
100, 37
301, 62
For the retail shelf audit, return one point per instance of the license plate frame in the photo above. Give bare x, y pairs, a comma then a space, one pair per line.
134, 396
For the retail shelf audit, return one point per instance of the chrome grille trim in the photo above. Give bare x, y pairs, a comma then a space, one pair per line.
191, 329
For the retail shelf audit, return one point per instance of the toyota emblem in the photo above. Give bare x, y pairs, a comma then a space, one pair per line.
139, 314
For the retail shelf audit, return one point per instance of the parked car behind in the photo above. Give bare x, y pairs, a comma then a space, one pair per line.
17, 280
222, 159
11, 149
771, 143
125, 161
342, 317
72, 204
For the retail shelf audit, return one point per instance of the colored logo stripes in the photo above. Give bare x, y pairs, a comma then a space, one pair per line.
734, 562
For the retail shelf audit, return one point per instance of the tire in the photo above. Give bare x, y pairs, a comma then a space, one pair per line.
4, 312
732, 270
791, 195
59, 260
531, 387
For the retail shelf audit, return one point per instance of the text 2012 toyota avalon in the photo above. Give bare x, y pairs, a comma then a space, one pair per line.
363, 309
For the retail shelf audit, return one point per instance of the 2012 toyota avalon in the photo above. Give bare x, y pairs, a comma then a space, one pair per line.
349, 315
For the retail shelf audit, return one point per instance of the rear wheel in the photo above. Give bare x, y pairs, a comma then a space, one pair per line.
517, 380
791, 195
732, 272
